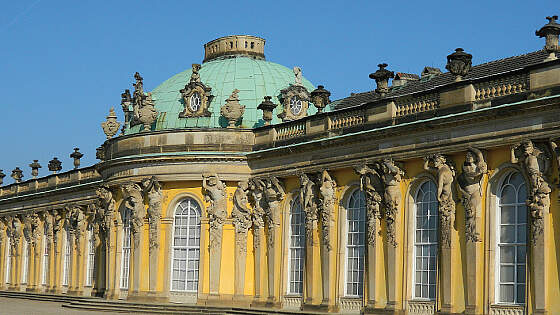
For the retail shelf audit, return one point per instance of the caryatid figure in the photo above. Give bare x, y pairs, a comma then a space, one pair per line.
327, 191
391, 175
469, 183
215, 193
445, 176
309, 205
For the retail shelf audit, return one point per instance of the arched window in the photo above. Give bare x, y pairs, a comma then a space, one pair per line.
425, 241
355, 244
186, 246
125, 260
512, 239
8, 258
66, 270
90, 257
296, 251
25, 266
45, 260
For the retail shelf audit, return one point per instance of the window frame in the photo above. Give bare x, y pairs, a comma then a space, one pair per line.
124, 281
289, 281
198, 209
363, 245
414, 255
497, 241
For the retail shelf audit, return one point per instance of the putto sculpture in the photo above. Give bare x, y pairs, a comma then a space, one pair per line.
232, 110
143, 109
298, 76
445, 174
469, 184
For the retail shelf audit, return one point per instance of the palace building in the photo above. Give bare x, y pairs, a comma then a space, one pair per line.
237, 186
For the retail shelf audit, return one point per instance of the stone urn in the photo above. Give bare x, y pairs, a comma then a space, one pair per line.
459, 63
110, 126
232, 110
147, 114
320, 98
267, 106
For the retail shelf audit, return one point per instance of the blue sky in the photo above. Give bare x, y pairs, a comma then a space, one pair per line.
63, 64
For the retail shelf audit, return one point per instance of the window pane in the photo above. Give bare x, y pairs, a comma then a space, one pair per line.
355, 246
186, 246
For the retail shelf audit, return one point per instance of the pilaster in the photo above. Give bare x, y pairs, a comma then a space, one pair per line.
328, 269
312, 291
474, 264
273, 257
539, 265
258, 242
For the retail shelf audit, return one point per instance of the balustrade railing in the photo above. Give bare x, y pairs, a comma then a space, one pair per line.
346, 119
501, 86
408, 105
290, 130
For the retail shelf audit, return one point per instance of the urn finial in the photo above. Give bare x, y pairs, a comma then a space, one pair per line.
35, 166
381, 77
550, 32
232, 110
110, 126
76, 155
320, 98
267, 106
55, 165
17, 174
2, 175
459, 63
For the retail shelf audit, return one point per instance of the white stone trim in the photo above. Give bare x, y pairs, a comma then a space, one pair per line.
420, 307
350, 305
506, 310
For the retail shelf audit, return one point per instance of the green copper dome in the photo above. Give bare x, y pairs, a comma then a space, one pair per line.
254, 78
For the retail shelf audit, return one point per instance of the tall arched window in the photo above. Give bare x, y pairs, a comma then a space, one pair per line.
186, 246
296, 253
8, 258
45, 260
512, 239
355, 244
90, 257
425, 241
125, 260
66, 270
25, 266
